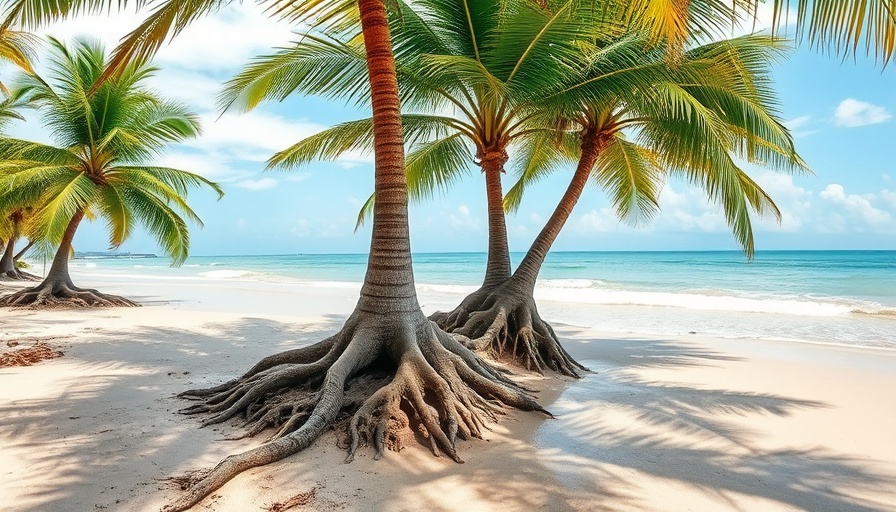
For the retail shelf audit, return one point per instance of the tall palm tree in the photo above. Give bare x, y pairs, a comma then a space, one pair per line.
99, 165
387, 324
498, 105
487, 78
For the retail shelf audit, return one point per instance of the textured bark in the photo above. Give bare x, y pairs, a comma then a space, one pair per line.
24, 251
503, 319
497, 268
7, 261
389, 369
529, 268
57, 289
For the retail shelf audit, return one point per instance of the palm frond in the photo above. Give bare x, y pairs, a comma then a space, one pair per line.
333, 142
633, 177
365, 212
539, 154
315, 65
61, 201
160, 220
842, 27
437, 165
118, 216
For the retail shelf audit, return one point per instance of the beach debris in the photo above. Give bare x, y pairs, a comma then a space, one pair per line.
36, 353
296, 501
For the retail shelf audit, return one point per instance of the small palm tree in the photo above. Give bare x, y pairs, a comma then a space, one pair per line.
13, 225
10, 221
106, 133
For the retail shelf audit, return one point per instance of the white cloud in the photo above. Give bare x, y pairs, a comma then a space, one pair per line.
798, 126
797, 122
851, 113
597, 221
221, 42
463, 219
884, 176
857, 210
213, 168
253, 136
689, 211
793, 201
262, 184
197, 90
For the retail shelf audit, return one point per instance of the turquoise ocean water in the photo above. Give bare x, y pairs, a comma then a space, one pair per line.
843, 297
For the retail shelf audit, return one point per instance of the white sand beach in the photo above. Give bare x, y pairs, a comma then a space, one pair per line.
664, 423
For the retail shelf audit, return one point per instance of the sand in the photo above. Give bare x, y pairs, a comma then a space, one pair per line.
664, 423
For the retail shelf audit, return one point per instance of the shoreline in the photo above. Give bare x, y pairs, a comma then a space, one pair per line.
665, 423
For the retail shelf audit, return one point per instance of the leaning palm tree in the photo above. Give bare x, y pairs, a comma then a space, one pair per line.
720, 110
388, 320
99, 166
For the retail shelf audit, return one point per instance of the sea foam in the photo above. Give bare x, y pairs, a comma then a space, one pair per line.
586, 291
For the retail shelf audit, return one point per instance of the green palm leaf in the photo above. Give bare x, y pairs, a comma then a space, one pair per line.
633, 177
105, 130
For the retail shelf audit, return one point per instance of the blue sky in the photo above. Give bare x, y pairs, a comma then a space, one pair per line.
841, 115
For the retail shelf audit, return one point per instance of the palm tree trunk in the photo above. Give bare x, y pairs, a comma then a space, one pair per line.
497, 269
527, 272
58, 274
7, 262
389, 282
24, 250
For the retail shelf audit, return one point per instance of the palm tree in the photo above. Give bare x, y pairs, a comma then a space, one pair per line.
99, 167
10, 222
495, 111
13, 225
720, 108
487, 77
387, 320
387, 324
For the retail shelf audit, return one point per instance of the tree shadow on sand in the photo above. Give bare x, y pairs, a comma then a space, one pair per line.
114, 423
614, 425
114, 418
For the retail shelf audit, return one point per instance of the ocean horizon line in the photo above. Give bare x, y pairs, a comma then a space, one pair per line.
650, 251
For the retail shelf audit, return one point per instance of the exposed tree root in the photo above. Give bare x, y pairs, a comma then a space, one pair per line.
18, 275
387, 378
503, 321
56, 295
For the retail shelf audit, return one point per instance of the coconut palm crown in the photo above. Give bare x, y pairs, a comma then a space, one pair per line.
105, 133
